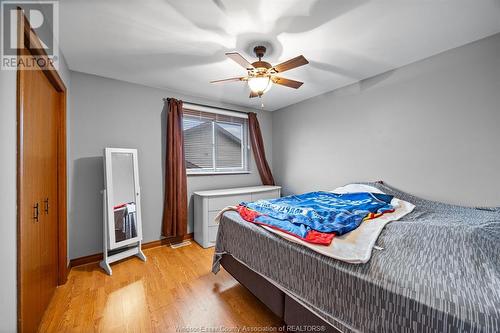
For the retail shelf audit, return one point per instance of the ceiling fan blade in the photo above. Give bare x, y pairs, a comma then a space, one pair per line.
238, 58
292, 63
252, 94
287, 82
242, 78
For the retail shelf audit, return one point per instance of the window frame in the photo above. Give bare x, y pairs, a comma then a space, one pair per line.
245, 145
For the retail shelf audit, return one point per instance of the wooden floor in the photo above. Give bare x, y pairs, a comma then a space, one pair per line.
173, 289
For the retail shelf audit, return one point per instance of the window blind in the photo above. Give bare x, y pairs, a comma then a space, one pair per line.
214, 142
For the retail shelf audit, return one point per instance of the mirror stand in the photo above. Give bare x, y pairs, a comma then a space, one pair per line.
134, 250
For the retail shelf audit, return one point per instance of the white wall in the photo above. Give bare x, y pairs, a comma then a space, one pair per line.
8, 205
112, 113
431, 128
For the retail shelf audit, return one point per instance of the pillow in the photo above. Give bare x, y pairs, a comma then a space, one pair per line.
356, 188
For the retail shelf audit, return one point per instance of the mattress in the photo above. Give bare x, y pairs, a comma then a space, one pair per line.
438, 270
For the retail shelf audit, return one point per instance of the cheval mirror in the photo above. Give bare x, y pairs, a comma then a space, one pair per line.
122, 228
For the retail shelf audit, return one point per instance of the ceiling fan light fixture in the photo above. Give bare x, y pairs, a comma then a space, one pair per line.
262, 75
259, 84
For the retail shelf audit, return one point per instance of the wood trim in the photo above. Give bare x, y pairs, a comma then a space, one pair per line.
19, 130
63, 269
31, 41
149, 245
85, 260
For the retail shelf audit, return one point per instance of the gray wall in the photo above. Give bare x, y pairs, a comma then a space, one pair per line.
8, 172
8, 310
111, 113
431, 128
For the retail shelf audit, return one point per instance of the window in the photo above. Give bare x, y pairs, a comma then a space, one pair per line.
215, 141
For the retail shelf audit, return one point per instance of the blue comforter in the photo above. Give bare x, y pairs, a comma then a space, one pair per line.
321, 211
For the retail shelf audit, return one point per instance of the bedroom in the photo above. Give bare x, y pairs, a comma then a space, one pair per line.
398, 97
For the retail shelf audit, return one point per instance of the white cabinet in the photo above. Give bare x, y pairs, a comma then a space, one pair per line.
208, 203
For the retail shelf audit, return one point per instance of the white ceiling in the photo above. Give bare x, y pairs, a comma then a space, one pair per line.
180, 44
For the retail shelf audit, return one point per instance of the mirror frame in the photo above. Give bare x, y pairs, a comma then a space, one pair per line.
108, 175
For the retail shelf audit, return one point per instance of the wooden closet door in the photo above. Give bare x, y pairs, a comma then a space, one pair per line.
38, 241
48, 226
30, 194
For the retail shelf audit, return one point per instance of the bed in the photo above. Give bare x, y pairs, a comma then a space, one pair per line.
436, 270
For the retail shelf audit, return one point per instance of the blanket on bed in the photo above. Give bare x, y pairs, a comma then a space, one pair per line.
316, 216
355, 247
439, 270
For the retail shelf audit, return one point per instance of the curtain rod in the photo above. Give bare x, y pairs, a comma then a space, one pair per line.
209, 106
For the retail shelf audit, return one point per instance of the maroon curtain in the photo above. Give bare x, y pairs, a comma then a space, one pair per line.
258, 150
175, 204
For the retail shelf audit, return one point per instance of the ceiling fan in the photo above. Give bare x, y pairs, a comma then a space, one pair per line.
261, 74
